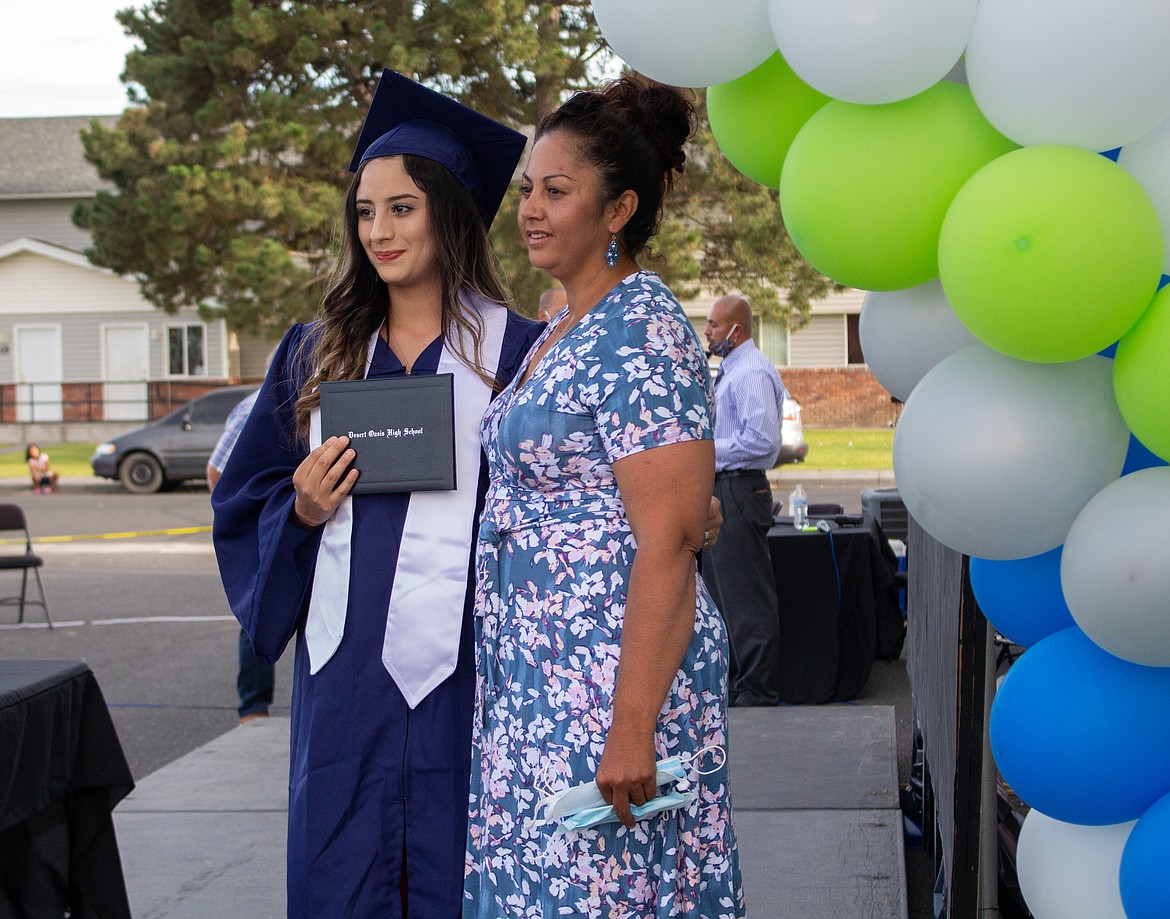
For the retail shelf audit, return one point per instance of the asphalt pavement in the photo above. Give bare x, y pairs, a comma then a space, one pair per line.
134, 592
133, 588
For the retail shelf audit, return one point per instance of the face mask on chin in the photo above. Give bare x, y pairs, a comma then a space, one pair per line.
724, 348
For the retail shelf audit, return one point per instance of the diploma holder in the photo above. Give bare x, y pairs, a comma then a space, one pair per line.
401, 428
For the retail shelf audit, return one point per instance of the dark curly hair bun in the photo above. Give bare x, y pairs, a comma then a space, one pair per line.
634, 132
664, 114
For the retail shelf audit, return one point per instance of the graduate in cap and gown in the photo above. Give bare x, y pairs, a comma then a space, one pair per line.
375, 589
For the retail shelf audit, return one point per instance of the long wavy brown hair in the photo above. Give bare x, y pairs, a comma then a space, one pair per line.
356, 298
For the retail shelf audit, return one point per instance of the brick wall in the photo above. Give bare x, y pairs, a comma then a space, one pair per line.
84, 402
81, 402
840, 397
166, 395
832, 397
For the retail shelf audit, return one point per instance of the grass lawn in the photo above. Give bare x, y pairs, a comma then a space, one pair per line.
829, 448
69, 460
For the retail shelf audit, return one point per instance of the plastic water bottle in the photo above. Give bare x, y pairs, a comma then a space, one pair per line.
798, 501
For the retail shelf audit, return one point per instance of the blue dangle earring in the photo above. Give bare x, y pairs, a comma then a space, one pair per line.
611, 251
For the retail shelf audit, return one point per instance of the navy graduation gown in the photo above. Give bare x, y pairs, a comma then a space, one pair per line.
371, 781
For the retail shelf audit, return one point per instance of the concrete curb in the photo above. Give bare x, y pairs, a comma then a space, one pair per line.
74, 484
794, 474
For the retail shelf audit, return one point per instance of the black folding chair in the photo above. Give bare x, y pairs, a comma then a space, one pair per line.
11, 522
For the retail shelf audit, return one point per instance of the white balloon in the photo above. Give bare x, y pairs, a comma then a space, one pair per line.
996, 457
1147, 159
687, 42
904, 333
872, 51
1082, 73
1114, 570
1068, 871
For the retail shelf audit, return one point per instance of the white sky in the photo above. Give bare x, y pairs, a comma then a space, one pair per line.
62, 57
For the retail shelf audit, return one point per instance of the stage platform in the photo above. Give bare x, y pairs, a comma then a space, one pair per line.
815, 795
816, 812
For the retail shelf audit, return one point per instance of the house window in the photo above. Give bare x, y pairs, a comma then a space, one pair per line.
186, 351
853, 338
772, 340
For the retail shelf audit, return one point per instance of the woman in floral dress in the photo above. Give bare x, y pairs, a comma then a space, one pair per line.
599, 649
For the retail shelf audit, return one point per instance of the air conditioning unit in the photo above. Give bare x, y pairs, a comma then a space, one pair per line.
885, 506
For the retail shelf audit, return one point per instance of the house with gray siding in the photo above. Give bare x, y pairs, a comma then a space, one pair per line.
81, 351
821, 362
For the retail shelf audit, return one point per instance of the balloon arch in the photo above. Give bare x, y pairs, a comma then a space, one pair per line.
947, 158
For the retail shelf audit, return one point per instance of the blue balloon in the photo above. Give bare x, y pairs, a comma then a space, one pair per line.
1139, 456
1145, 883
1022, 597
1080, 734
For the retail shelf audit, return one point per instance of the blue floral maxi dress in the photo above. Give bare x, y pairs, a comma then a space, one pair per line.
553, 565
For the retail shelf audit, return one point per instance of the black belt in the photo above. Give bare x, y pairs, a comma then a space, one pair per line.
733, 473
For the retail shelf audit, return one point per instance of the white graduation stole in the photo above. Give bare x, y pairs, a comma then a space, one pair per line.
425, 617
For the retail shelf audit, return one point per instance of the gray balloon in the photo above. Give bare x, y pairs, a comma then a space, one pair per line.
995, 457
904, 333
1113, 568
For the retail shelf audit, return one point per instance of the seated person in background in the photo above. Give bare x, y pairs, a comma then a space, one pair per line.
44, 479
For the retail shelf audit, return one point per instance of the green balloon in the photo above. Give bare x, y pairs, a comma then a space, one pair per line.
1140, 378
755, 118
1050, 254
865, 187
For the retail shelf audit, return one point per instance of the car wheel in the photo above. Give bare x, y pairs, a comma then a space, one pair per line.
141, 474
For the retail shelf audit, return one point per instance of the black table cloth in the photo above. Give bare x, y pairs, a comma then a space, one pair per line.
62, 771
838, 608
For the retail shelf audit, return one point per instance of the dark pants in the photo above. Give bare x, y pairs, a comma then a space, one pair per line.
738, 573
255, 680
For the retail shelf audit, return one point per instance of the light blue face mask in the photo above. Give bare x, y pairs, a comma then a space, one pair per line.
723, 348
582, 807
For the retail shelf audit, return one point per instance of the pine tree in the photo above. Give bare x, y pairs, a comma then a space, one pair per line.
230, 164
740, 229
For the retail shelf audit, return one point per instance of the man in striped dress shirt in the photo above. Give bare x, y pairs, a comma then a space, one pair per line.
737, 569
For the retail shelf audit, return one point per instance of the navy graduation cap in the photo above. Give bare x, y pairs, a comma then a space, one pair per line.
406, 117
